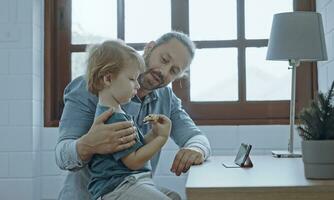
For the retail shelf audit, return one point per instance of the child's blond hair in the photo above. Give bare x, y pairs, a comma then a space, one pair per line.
109, 57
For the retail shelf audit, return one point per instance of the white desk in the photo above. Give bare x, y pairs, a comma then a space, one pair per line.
269, 179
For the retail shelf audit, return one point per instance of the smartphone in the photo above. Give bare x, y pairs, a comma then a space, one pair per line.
243, 154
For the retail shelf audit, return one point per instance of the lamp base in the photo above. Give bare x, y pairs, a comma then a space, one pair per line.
286, 154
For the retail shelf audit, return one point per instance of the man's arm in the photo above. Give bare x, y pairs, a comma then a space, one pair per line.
73, 154
105, 138
195, 146
193, 153
201, 143
67, 157
80, 136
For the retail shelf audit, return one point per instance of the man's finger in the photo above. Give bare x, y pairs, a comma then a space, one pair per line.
177, 160
126, 132
104, 116
189, 162
127, 139
180, 168
182, 164
199, 160
118, 126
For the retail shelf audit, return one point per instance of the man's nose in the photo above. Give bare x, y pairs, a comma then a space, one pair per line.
165, 71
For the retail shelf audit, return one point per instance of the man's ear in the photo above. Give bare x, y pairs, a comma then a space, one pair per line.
107, 79
149, 46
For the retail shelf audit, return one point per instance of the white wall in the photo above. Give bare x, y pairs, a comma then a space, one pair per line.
27, 167
326, 68
21, 53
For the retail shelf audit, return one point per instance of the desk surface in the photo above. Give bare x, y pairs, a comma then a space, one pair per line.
268, 177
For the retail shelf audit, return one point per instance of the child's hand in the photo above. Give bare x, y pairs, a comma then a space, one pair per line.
161, 125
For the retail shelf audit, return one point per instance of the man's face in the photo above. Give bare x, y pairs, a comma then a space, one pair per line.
164, 64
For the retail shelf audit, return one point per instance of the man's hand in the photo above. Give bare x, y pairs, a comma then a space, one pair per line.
186, 157
106, 138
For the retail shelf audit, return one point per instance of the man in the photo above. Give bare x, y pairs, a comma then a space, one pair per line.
79, 137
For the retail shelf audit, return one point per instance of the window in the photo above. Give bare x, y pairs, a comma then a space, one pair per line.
230, 82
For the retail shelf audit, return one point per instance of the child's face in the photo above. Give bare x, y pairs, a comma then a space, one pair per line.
124, 86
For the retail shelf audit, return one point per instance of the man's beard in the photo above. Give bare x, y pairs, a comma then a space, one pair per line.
146, 85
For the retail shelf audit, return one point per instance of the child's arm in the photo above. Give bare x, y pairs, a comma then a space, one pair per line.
157, 138
137, 159
149, 137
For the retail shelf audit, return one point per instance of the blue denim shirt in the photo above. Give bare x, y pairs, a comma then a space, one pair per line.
78, 116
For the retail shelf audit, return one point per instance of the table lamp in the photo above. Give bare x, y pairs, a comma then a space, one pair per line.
296, 36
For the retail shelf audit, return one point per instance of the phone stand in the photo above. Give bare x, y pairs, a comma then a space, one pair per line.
242, 158
247, 164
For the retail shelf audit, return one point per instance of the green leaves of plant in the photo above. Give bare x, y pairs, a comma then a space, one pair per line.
318, 119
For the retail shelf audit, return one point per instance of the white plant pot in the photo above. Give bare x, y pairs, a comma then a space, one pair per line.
318, 157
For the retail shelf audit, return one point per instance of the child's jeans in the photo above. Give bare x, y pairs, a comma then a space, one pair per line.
140, 187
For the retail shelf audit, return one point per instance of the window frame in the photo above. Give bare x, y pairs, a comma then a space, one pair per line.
244, 112
57, 73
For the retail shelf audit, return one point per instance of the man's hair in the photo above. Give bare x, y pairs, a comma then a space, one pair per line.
184, 39
108, 57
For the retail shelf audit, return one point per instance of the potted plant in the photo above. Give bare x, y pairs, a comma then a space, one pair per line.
317, 131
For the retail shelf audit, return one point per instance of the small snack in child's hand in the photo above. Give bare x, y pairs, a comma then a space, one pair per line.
151, 117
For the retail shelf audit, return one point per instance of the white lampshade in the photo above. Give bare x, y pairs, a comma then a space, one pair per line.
297, 35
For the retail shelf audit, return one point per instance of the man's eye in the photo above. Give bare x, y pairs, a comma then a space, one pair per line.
164, 60
174, 71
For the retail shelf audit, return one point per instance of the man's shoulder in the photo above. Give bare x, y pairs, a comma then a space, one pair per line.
78, 83
77, 89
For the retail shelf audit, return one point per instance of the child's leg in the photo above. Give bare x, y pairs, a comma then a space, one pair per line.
143, 191
139, 187
170, 193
